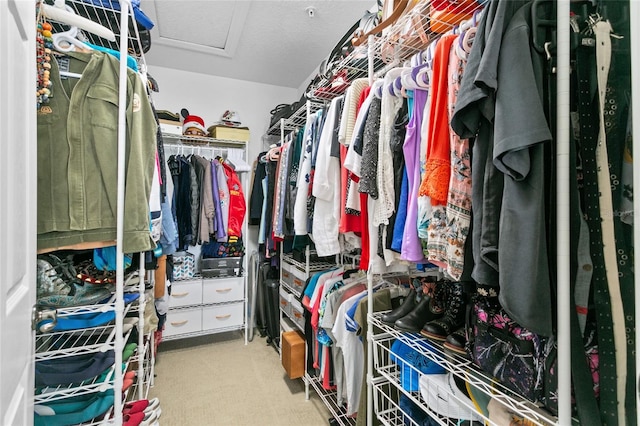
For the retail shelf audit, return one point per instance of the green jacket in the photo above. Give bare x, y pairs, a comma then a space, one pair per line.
77, 156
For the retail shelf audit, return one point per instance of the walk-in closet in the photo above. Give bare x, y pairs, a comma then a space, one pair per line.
308, 212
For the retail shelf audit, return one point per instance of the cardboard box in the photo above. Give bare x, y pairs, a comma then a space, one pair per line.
229, 133
293, 354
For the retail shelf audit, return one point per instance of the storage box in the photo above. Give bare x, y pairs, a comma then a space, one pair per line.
297, 313
229, 133
171, 127
221, 267
285, 303
293, 354
293, 277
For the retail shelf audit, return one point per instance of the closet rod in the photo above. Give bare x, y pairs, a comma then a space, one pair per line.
125, 7
563, 213
634, 9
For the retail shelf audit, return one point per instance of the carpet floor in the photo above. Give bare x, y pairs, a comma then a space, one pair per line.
217, 380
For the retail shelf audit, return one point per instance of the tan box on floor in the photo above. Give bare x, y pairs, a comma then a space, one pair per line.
293, 354
229, 133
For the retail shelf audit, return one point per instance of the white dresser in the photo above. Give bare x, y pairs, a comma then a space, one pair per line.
202, 306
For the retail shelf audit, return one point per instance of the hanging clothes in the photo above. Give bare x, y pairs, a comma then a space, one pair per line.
237, 205
326, 215
76, 172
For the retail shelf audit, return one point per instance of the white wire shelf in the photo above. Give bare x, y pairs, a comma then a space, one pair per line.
330, 401
411, 34
61, 344
314, 265
468, 371
108, 17
414, 31
54, 393
337, 79
406, 379
295, 120
196, 141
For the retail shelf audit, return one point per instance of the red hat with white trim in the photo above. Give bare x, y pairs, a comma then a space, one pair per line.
193, 121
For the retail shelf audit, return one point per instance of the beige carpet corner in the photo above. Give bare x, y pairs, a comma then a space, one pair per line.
217, 380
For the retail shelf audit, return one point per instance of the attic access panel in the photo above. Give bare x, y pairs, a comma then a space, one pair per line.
212, 27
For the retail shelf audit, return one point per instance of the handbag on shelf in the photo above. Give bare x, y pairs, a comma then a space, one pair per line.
507, 351
184, 265
279, 112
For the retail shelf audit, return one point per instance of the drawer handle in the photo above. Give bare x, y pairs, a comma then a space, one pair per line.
223, 290
179, 323
283, 303
180, 294
223, 316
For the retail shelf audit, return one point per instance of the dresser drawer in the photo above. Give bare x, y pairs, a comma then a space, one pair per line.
222, 316
219, 290
183, 321
185, 293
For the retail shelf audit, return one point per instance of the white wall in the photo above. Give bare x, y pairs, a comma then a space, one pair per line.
209, 96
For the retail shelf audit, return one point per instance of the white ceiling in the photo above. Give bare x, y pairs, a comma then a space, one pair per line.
266, 41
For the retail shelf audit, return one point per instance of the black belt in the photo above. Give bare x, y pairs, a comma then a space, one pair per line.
587, 109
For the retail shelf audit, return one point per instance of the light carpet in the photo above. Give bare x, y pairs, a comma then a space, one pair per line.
217, 380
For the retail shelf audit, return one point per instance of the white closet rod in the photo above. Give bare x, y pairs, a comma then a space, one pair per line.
563, 214
634, 12
125, 7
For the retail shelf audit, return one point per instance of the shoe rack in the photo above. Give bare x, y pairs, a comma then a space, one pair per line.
61, 334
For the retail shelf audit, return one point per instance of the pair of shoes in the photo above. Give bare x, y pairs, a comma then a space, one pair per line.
450, 328
57, 286
141, 405
418, 308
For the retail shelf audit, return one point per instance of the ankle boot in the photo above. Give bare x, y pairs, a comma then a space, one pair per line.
454, 315
457, 342
427, 309
407, 306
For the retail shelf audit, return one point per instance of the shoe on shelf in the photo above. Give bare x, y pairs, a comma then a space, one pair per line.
129, 350
135, 406
132, 419
454, 316
126, 384
57, 286
456, 342
407, 306
427, 309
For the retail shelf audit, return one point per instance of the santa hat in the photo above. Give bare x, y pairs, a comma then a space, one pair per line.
193, 121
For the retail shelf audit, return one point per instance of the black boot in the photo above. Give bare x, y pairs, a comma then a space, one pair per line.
428, 308
454, 316
407, 306
457, 342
